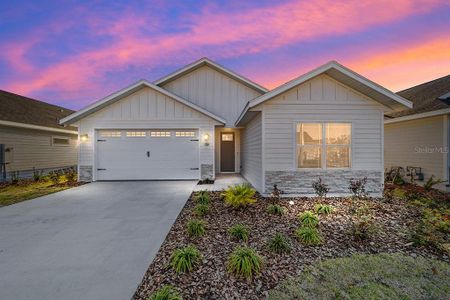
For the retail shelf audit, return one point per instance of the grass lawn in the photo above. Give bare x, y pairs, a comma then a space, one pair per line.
11, 194
382, 276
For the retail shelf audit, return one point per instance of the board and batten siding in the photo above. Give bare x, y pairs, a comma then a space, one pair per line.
417, 143
34, 149
146, 109
251, 155
214, 91
322, 99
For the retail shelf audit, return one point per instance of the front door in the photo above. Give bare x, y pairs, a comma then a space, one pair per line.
227, 152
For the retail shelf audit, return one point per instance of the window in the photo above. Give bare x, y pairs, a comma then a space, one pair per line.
136, 134
105, 134
160, 133
185, 133
60, 141
324, 145
227, 137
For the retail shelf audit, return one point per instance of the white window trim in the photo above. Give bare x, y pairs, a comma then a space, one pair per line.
324, 145
60, 137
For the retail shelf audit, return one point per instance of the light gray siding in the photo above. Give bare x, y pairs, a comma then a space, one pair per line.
418, 143
146, 109
322, 99
214, 91
30, 149
251, 145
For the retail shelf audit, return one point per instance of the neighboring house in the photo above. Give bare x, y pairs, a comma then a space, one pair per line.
31, 137
205, 119
419, 137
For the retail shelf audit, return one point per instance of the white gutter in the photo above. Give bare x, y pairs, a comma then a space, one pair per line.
419, 116
36, 127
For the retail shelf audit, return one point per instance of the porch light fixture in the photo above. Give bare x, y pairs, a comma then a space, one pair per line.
206, 137
84, 137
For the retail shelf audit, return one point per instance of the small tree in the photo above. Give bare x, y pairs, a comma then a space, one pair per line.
320, 188
358, 187
276, 194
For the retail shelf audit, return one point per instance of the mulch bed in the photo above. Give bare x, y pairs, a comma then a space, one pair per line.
210, 280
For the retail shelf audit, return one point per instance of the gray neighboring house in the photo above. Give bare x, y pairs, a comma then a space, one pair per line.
32, 138
419, 137
205, 119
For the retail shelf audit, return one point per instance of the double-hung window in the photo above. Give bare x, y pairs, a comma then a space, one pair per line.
324, 145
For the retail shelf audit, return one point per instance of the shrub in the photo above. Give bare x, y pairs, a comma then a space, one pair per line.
196, 228
399, 193
324, 209
309, 219
244, 262
70, 174
275, 209
240, 195
185, 259
431, 182
358, 187
275, 195
320, 188
202, 197
309, 236
363, 228
37, 175
201, 209
239, 232
167, 292
359, 207
14, 177
279, 244
54, 176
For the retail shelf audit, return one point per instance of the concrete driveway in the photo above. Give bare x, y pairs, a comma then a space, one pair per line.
91, 242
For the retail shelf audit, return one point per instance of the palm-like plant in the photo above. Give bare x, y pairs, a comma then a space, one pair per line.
239, 195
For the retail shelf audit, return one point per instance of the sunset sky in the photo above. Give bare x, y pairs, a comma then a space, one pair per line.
72, 53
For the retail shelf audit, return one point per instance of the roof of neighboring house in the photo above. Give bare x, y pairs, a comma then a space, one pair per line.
426, 97
20, 109
207, 62
96, 106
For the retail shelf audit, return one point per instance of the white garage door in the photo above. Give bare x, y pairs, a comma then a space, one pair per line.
147, 154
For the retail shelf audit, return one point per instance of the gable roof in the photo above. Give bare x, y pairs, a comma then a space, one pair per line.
342, 74
207, 62
426, 97
17, 110
128, 91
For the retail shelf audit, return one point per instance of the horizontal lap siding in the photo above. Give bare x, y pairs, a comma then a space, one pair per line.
405, 140
252, 152
322, 99
34, 149
214, 91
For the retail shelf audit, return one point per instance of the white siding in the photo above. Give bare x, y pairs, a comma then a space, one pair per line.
214, 91
417, 143
144, 109
251, 145
34, 149
322, 99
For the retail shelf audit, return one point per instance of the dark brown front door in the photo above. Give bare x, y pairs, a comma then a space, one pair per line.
227, 152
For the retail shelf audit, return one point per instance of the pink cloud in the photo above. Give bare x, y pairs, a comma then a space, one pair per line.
227, 34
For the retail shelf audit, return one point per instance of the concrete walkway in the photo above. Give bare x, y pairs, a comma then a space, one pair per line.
222, 182
91, 242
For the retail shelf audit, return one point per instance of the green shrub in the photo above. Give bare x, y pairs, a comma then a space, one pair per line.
431, 182
308, 219
363, 228
275, 209
196, 228
309, 236
279, 244
167, 292
239, 232
54, 176
399, 193
201, 209
202, 198
324, 209
70, 174
240, 195
244, 262
185, 259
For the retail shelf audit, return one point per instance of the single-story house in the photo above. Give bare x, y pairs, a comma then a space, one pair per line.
419, 137
205, 119
31, 137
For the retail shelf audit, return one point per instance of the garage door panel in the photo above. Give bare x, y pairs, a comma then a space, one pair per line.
134, 158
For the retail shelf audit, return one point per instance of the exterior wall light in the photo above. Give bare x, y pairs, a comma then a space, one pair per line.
84, 138
206, 139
